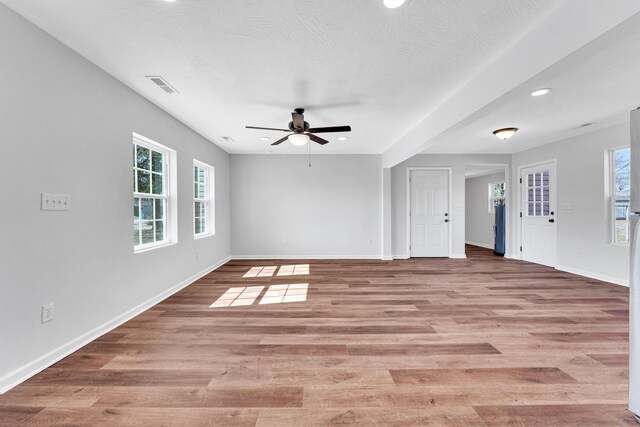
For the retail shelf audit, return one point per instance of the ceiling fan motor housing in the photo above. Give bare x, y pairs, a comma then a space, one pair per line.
293, 129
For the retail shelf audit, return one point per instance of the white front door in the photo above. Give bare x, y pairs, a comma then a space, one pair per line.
429, 213
538, 212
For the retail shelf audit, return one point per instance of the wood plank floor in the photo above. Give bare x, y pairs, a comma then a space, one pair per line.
483, 341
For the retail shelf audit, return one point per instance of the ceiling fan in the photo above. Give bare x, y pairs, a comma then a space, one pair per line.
302, 133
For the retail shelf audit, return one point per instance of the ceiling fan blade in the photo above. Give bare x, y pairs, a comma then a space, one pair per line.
331, 129
255, 127
298, 120
317, 139
280, 141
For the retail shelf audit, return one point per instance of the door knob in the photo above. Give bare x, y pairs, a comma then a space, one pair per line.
446, 214
552, 220
446, 220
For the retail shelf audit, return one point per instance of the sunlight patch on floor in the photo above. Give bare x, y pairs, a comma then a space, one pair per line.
277, 294
293, 270
238, 297
285, 270
261, 272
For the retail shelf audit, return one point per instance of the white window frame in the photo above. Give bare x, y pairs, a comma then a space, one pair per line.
612, 198
492, 200
208, 199
169, 158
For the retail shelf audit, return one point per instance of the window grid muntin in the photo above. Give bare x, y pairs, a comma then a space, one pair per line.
538, 194
156, 168
620, 176
497, 194
200, 199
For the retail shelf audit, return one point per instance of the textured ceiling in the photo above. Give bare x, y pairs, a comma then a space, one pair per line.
250, 62
594, 88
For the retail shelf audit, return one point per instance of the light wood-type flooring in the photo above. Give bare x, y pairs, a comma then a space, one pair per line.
475, 342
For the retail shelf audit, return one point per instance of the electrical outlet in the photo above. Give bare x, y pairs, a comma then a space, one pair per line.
370, 242
579, 252
197, 255
47, 313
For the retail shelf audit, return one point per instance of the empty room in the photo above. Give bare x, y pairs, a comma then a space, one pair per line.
319, 212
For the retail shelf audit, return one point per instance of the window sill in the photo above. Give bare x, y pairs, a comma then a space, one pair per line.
203, 236
152, 247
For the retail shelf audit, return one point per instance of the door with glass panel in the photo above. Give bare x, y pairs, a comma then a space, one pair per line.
538, 214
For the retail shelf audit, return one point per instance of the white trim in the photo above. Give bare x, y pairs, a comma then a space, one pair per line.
318, 257
449, 169
482, 245
30, 369
400, 256
170, 191
209, 201
387, 258
458, 256
511, 256
591, 275
520, 209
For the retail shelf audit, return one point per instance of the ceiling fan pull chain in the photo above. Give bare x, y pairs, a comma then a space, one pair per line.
309, 153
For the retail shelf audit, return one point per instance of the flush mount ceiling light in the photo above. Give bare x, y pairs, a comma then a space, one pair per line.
541, 91
505, 133
342, 138
265, 138
170, 1
298, 139
392, 4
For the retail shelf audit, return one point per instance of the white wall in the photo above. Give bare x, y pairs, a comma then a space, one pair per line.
479, 221
581, 182
66, 127
281, 207
399, 194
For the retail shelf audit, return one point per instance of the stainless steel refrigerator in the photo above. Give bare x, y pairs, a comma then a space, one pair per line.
634, 273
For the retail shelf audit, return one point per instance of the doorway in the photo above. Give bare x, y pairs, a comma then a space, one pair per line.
538, 222
429, 212
487, 196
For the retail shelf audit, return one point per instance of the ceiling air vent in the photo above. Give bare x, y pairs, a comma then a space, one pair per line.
162, 84
227, 138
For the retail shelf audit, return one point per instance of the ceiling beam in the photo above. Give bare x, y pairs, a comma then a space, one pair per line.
573, 25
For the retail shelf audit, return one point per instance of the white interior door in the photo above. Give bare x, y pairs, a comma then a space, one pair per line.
538, 212
429, 213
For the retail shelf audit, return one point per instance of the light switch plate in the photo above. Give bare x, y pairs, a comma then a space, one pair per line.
55, 202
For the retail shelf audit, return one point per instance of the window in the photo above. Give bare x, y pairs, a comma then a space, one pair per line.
620, 161
150, 193
496, 195
203, 224
538, 194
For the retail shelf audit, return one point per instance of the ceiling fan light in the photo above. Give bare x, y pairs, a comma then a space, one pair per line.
392, 4
298, 139
505, 133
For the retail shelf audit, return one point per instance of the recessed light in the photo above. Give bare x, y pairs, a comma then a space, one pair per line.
392, 4
540, 92
342, 138
170, 1
265, 138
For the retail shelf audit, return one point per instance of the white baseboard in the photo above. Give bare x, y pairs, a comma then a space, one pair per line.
512, 256
387, 258
21, 374
405, 256
482, 245
278, 257
592, 275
